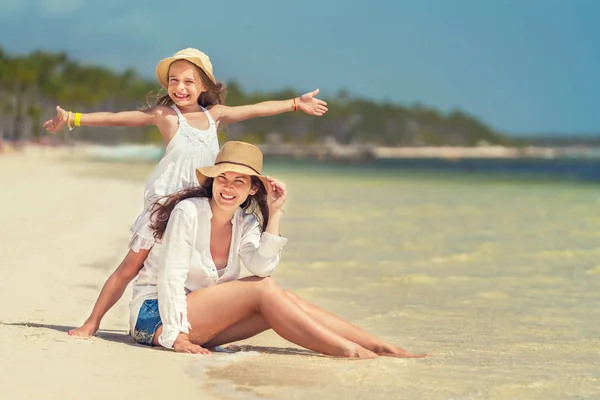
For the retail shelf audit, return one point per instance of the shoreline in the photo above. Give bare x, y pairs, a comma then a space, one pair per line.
370, 152
333, 152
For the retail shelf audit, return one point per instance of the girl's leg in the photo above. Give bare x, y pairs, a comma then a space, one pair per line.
221, 308
349, 331
112, 291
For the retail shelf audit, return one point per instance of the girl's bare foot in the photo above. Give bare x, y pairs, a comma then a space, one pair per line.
390, 350
84, 331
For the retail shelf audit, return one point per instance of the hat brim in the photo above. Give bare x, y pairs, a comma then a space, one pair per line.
213, 171
162, 69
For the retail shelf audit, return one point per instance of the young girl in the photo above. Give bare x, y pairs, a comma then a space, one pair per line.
189, 297
188, 117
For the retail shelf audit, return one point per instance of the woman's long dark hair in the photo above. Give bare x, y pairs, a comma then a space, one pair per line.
161, 209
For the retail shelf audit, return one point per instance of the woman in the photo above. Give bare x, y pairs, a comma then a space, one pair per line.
188, 295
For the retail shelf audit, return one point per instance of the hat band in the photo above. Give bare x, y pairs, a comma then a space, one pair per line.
237, 163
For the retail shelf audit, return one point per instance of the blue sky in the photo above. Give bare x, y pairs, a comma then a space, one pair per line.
521, 66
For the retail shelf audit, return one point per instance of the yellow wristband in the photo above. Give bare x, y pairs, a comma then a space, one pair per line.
77, 120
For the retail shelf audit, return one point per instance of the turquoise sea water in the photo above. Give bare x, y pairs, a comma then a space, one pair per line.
496, 275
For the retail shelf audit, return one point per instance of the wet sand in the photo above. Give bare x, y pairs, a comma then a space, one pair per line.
498, 280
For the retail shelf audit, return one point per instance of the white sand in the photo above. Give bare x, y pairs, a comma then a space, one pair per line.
60, 236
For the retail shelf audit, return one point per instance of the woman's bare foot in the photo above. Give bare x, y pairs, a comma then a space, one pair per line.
390, 350
356, 351
84, 331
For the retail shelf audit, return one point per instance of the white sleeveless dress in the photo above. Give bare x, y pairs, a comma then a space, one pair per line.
189, 149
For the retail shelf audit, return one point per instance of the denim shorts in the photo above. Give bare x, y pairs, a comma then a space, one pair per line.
147, 323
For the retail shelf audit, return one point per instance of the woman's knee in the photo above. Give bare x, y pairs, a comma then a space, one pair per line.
262, 288
269, 283
263, 284
266, 280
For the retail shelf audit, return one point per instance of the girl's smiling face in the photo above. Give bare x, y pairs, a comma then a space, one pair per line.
185, 84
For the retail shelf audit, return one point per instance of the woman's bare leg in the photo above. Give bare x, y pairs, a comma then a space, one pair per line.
219, 308
256, 324
244, 329
112, 291
349, 331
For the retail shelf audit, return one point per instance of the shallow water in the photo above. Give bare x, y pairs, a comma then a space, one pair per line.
498, 280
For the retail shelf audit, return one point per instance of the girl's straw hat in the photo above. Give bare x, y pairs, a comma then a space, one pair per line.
240, 157
194, 56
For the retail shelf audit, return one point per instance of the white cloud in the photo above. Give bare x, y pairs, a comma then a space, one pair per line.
57, 8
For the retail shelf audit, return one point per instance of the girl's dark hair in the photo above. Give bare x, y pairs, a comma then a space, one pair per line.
255, 204
214, 94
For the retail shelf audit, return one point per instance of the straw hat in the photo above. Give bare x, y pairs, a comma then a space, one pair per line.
240, 157
194, 56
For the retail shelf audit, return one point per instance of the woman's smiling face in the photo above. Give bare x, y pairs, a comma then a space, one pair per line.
231, 189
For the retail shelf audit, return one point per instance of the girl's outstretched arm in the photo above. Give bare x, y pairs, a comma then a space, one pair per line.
124, 118
307, 103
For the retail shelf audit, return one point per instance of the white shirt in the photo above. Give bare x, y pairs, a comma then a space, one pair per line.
182, 262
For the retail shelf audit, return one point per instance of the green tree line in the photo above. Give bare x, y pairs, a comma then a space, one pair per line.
32, 85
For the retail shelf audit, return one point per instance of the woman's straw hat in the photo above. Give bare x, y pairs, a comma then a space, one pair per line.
194, 56
241, 157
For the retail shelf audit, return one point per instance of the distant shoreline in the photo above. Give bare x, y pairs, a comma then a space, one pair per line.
153, 152
366, 152
570, 164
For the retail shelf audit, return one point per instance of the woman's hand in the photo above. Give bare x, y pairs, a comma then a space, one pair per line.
183, 345
311, 105
56, 123
276, 196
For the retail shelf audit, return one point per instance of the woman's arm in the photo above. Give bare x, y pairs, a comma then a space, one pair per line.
260, 253
307, 103
276, 197
174, 258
